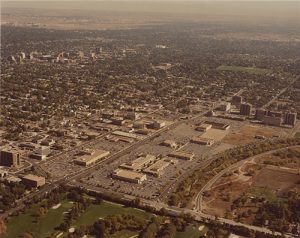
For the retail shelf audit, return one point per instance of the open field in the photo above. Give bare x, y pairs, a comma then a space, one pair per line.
250, 70
95, 212
257, 181
246, 134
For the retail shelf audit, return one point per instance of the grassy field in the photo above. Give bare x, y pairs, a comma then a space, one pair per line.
94, 212
191, 232
17, 226
250, 70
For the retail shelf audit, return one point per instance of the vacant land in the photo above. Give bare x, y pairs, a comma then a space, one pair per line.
246, 134
250, 70
240, 194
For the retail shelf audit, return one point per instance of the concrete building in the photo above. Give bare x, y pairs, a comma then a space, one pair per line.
158, 124
260, 114
33, 181
272, 120
236, 100
169, 143
274, 114
203, 127
157, 168
131, 116
40, 153
139, 125
10, 158
182, 155
119, 121
290, 118
245, 109
139, 163
129, 176
202, 141
218, 125
91, 157
127, 134
225, 106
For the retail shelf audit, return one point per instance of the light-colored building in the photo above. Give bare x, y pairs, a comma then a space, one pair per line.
157, 168
225, 106
33, 181
203, 127
129, 176
169, 143
182, 155
3, 173
139, 163
91, 157
158, 124
202, 141
127, 134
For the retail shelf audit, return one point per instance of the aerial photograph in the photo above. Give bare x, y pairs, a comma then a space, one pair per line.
150, 119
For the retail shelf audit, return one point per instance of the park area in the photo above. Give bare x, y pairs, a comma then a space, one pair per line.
42, 224
45, 225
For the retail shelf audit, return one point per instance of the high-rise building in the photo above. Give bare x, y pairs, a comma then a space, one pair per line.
272, 120
259, 114
10, 158
290, 118
245, 109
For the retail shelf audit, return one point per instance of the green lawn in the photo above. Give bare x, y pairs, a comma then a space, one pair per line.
250, 70
265, 193
17, 226
191, 232
94, 212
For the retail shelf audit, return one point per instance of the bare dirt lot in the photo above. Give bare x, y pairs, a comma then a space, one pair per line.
246, 134
235, 193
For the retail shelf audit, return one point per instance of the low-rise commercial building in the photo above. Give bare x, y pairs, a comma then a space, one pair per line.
33, 181
218, 125
139, 163
129, 176
169, 143
91, 157
202, 141
157, 168
203, 127
225, 106
182, 155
